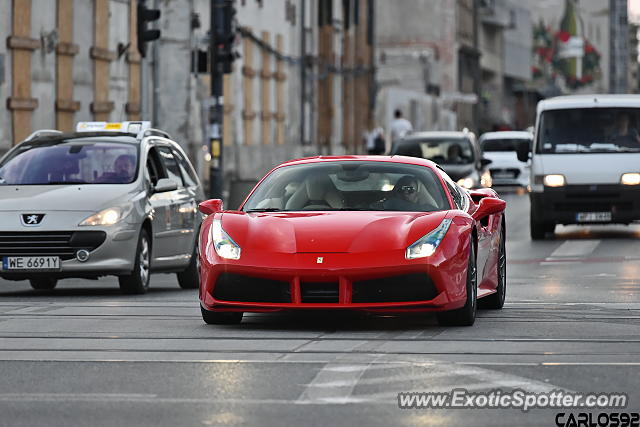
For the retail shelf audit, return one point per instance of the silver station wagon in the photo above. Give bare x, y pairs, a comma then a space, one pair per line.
109, 199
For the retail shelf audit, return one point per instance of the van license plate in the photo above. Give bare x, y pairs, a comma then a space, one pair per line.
29, 263
593, 217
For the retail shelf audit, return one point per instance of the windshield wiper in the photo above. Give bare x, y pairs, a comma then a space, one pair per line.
264, 210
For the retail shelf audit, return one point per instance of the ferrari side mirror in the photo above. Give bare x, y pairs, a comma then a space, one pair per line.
480, 193
489, 206
211, 206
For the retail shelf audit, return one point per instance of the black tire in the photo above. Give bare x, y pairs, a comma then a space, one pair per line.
138, 281
465, 316
496, 301
538, 228
43, 283
221, 318
190, 278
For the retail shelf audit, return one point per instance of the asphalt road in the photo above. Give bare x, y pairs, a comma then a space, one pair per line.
84, 355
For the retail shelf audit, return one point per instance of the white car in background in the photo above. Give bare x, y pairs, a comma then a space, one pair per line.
501, 149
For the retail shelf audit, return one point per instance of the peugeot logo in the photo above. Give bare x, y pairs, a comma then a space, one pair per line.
31, 220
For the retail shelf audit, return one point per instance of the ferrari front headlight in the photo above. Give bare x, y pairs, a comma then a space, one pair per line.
223, 243
109, 216
427, 245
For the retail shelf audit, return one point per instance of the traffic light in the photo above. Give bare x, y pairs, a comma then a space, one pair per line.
224, 35
145, 35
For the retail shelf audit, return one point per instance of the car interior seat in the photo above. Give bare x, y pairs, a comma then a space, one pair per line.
317, 192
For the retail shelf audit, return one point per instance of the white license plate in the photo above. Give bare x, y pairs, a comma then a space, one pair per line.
593, 217
503, 175
29, 263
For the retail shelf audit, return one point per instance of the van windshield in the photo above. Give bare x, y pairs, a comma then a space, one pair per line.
494, 145
589, 130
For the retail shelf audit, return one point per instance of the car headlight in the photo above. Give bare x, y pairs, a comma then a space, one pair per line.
109, 216
485, 179
555, 180
466, 182
630, 179
427, 244
223, 243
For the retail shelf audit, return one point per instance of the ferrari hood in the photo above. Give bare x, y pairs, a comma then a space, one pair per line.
328, 232
39, 198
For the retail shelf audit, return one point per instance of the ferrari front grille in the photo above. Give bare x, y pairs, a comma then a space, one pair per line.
403, 288
319, 292
241, 288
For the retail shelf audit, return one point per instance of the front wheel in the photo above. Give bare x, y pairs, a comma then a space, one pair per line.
190, 278
43, 283
221, 317
138, 281
466, 315
496, 301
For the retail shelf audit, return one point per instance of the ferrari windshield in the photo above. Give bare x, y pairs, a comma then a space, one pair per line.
442, 151
75, 162
349, 186
589, 130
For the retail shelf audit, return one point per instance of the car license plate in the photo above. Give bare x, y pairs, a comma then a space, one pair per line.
40, 263
593, 217
503, 175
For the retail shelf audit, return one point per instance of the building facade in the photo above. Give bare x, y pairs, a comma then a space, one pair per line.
302, 84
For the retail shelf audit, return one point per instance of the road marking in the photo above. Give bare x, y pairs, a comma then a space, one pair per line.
89, 397
575, 248
551, 262
338, 394
335, 383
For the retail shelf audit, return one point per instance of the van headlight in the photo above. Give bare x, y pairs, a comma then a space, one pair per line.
427, 244
109, 216
223, 243
632, 178
555, 180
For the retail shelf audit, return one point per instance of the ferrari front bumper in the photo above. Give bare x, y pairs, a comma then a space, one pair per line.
370, 282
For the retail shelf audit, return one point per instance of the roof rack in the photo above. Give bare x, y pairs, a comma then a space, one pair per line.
152, 132
43, 132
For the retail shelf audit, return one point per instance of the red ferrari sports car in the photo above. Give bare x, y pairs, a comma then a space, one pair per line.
376, 233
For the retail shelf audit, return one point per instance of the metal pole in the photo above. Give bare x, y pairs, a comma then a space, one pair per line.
303, 71
155, 53
216, 184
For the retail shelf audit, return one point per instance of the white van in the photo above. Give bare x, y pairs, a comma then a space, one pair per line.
585, 162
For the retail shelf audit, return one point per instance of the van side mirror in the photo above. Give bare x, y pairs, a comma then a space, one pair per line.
523, 151
211, 206
489, 206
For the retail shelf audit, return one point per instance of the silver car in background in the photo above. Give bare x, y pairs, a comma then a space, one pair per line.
111, 199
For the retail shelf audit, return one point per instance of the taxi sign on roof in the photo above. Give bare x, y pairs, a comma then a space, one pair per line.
130, 127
